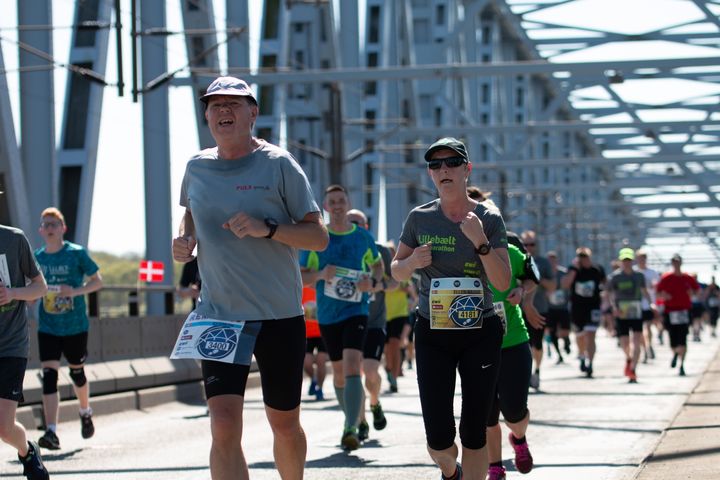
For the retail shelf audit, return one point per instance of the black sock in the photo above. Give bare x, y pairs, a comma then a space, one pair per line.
518, 441
496, 464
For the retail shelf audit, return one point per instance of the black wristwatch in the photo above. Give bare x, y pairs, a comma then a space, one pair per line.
483, 249
272, 224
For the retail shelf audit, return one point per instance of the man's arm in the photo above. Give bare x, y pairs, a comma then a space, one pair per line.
567, 280
184, 244
36, 289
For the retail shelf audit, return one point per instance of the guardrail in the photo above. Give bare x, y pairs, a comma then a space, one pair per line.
133, 303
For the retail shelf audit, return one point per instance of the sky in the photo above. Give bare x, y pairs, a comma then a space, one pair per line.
119, 172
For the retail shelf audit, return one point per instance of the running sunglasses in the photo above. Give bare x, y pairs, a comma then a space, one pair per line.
451, 162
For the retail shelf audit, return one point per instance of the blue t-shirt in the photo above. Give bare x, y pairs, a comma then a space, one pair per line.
63, 316
355, 250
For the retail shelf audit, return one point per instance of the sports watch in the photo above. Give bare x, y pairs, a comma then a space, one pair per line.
483, 249
272, 224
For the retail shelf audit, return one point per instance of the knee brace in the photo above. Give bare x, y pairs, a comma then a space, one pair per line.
78, 376
49, 381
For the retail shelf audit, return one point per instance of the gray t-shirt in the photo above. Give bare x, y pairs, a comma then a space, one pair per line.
453, 254
377, 317
541, 301
248, 278
626, 286
17, 256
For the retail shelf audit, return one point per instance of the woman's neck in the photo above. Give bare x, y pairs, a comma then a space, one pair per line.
455, 208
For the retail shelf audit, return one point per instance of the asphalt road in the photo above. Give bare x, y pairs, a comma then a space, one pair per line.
590, 429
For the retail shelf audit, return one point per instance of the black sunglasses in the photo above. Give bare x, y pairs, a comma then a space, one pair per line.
451, 162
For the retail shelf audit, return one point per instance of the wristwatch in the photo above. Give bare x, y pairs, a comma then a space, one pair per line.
272, 224
483, 249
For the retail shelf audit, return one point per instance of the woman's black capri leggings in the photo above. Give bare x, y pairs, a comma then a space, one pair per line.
475, 354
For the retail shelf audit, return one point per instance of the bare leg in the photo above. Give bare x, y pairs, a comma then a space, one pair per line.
227, 461
289, 442
11, 432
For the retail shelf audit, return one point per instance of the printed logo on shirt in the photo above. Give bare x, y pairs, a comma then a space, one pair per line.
439, 244
245, 188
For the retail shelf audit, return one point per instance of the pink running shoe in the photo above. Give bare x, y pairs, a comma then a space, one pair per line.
496, 473
523, 459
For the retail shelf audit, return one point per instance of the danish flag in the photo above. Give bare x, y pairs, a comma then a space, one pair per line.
151, 271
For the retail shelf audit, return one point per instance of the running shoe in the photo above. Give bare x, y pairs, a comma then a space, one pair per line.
350, 439
660, 338
33, 467
458, 475
523, 459
319, 395
363, 431
632, 378
673, 363
682, 370
589, 370
628, 368
560, 360
583, 368
496, 473
379, 420
313, 386
567, 346
87, 429
49, 440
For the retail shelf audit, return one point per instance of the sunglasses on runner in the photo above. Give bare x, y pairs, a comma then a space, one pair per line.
451, 162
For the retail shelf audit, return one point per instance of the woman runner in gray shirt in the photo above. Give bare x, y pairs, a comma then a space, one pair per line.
457, 244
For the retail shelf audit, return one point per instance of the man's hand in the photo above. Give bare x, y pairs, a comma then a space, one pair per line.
182, 248
533, 316
5, 295
327, 273
243, 225
365, 284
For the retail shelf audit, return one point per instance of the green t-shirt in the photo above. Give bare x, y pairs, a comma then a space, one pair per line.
516, 330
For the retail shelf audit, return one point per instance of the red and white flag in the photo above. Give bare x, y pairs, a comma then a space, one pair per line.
151, 271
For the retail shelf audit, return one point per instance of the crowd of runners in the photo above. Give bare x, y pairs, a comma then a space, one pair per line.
458, 295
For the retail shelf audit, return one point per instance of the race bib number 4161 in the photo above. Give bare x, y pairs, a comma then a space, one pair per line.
456, 303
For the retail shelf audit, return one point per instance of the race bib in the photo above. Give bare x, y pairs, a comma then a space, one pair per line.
456, 302
204, 338
558, 297
679, 317
54, 303
595, 316
500, 312
713, 302
343, 286
585, 289
629, 309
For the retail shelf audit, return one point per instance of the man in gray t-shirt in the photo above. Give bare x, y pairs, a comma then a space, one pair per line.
20, 281
248, 208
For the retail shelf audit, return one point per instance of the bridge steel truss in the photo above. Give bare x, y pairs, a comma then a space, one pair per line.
357, 102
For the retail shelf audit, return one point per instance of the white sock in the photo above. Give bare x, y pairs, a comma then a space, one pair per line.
52, 427
86, 411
